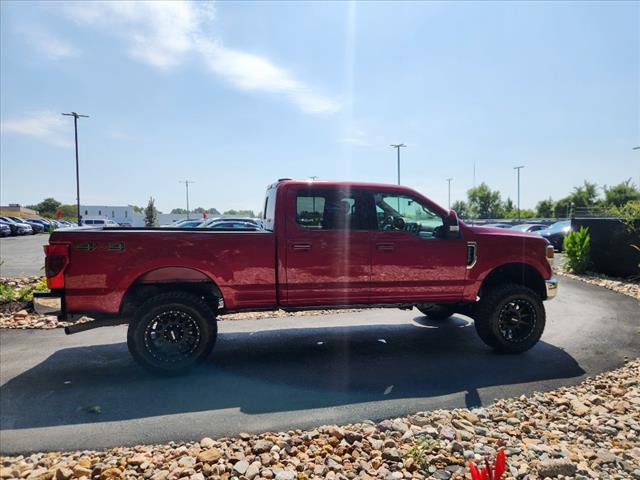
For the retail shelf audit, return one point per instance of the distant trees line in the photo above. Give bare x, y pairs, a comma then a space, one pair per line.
49, 206
482, 202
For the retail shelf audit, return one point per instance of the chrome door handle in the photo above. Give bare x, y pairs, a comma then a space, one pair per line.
302, 247
385, 247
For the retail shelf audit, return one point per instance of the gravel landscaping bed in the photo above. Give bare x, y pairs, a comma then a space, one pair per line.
588, 431
626, 286
20, 314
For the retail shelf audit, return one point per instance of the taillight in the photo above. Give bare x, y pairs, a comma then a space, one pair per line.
56, 260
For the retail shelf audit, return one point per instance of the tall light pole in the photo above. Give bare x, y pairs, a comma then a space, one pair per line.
75, 125
518, 169
449, 194
398, 146
186, 184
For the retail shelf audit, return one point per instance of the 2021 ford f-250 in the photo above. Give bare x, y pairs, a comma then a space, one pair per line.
323, 244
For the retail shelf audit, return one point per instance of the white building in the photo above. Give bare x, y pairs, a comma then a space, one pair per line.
117, 214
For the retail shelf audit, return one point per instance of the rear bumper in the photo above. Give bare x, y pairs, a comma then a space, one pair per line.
551, 286
46, 303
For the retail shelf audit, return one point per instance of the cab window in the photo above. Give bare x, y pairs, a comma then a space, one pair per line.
331, 210
396, 212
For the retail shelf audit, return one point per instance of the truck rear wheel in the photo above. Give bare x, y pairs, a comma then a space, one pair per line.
510, 318
436, 312
171, 332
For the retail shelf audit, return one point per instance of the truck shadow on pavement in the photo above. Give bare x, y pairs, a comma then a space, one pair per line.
277, 371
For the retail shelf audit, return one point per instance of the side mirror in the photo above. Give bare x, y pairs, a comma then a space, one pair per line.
452, 226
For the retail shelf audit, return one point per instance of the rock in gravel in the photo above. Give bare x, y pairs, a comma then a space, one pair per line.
262, 446
207, 442
391, 454
80, 471
241, 467
285, 475
111, 474
161, 475
211, 455
253, 471
64, 473
556, 468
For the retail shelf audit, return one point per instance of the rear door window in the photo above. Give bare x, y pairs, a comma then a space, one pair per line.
330, 209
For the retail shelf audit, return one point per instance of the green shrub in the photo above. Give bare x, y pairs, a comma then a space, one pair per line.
8, 293
577, 247
26, 294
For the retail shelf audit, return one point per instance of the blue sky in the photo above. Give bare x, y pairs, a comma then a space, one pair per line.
235, 95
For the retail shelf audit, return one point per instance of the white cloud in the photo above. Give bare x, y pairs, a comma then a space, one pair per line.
253, 72
163, 33
48, 44
47, 126
159, 33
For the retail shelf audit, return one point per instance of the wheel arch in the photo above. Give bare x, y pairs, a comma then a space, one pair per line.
165, 279
518, 273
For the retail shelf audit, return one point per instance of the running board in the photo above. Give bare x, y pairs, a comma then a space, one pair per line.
101, 322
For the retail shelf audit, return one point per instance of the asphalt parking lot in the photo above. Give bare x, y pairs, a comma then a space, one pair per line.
22, 256
296, 372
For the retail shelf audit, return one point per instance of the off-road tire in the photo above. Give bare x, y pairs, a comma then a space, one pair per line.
190, 312
436, 312
496, 302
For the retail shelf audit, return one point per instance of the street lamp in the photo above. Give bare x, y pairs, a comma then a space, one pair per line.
186, 184
518, 169
449, 194
75, 125
398, 146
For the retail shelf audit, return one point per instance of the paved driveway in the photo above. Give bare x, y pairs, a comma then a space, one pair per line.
296, 372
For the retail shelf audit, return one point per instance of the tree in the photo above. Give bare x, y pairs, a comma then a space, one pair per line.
179, 211
199, 210
151, 214
545, 208
509, 209
461, 208
582, 197
621, 194
137, 209
213, 211
47, 207
484, 202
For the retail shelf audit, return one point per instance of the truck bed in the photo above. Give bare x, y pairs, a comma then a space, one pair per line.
104, 263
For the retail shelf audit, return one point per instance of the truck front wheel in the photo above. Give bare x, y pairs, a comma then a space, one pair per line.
510, 318
171, 332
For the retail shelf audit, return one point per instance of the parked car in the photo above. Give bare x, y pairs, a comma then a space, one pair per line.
35, 225
555, 233
35, 228
530, 227
330, 245
177, 223
5, 230
190, 224
234, 225
496, 225
212, 222
227, 219
17, 228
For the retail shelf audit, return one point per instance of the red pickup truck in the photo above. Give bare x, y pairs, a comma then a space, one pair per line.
321, 245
